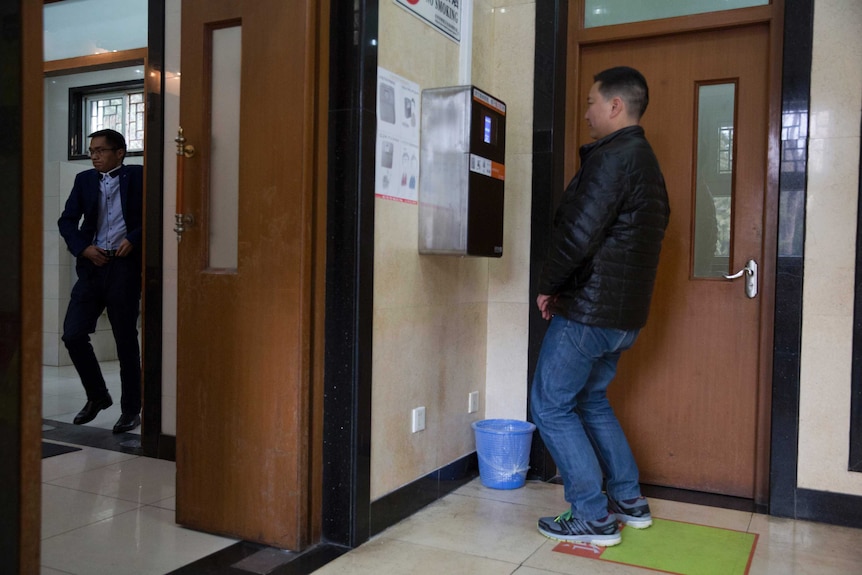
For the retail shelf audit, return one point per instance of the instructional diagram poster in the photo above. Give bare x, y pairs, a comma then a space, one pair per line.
397, 171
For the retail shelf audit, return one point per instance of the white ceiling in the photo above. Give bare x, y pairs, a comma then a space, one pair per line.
83, 27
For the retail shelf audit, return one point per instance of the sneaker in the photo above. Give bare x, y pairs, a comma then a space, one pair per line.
604, 532
631, 512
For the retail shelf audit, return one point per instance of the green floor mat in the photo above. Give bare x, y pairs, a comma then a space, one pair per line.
676, 547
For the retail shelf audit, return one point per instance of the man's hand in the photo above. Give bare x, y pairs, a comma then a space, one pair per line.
95, 255
125, 248
544, 302
98, 256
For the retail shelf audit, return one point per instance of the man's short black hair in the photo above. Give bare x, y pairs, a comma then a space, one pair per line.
628, 84
113, 137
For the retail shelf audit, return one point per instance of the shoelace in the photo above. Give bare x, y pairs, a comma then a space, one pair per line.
573, 524
566, 516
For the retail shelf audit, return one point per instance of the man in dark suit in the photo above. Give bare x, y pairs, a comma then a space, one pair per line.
107, 245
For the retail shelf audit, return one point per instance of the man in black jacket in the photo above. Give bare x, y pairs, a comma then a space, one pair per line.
595, 287
107, 245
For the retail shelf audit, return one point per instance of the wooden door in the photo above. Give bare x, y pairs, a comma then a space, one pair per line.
690, 393
250, 288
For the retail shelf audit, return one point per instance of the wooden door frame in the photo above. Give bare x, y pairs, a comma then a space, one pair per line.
570, 35
21, 319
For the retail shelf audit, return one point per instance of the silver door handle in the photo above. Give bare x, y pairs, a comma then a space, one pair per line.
750, 273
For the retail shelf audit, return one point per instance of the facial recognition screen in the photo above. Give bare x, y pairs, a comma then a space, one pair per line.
488, 130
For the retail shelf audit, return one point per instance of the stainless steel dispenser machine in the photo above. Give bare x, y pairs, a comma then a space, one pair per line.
461, 172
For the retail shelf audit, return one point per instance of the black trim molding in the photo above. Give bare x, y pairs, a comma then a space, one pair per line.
826, 507
404, 502
349, 272
151, 428
786, 498
787, 343
855, 463
549, 116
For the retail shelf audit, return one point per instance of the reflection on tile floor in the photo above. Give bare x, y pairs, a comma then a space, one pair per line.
110, 512
484, 531
63, 396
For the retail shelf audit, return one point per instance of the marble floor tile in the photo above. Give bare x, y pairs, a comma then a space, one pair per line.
103, 515
143, 541
533, 494
65, 509
56, 406
789, 546
169, 503
111, 512
474, 526
141, 480
381, 556
77, 462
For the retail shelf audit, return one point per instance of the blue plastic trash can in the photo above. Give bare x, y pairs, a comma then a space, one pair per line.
503, 448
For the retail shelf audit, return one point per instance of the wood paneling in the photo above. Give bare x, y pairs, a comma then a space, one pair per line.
31, 286
105, 61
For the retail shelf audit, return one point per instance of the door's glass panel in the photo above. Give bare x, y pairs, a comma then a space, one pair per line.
224, 148
714, 181
608, 12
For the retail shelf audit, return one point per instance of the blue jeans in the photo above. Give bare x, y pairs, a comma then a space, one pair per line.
570, 408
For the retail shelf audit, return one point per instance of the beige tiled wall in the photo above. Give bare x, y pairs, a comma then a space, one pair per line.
509, 277
445, 326
830, 239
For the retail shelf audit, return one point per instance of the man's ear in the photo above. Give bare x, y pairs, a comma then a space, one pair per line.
618, 106
122, 153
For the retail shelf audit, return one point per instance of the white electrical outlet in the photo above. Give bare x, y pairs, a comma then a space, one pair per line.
473, 402
418, 422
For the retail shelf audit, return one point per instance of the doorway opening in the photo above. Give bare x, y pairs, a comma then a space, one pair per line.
101, 53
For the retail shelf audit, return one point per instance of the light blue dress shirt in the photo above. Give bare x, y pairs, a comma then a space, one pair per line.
111, 228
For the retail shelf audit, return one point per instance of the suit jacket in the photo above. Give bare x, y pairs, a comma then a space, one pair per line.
84, 201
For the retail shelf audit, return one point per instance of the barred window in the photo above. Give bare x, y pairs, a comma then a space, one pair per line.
118, 106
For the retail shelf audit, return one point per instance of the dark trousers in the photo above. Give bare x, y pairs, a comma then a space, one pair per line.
116, 286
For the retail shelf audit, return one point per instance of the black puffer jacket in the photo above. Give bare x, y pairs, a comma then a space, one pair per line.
608, 230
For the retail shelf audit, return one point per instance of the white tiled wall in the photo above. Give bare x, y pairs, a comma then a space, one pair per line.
173, 15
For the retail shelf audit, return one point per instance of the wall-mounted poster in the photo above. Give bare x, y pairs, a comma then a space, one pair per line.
397, 169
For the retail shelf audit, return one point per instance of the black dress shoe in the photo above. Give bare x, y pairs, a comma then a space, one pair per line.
92, 409
127, 423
